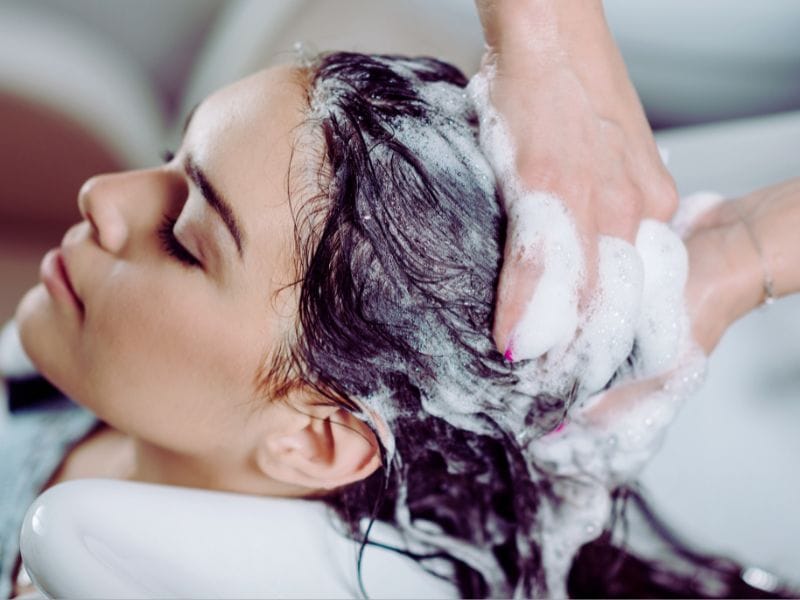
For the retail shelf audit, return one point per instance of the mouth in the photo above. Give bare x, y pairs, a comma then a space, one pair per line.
55, 276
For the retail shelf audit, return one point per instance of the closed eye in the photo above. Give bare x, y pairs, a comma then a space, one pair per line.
172, 246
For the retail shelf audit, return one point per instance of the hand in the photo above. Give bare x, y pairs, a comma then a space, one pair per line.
579, 134
726, 278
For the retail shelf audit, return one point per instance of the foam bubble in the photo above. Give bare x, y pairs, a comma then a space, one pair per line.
638, 304
691, 208
543, 233
608, 327
663, 323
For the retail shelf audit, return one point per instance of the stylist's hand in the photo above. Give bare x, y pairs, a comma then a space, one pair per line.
579, 134
726, 276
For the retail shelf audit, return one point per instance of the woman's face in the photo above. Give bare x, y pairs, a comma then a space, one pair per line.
165, 342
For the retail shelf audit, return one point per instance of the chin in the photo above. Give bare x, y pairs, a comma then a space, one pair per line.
43, 337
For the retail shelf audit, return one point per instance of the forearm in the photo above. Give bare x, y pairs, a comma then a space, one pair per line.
552, 47
533, 36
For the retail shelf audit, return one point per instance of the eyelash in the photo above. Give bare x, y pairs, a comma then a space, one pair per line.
172, 246
169, 242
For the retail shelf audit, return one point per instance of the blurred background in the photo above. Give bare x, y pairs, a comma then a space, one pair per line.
91, 86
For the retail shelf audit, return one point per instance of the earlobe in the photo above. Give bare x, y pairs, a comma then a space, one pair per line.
319, 447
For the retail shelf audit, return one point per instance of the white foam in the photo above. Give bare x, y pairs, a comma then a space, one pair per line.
691, 208
607, 329
543, 234
639, 300
663, 322
605, 443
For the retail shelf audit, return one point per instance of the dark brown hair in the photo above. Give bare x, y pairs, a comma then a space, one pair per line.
400, 241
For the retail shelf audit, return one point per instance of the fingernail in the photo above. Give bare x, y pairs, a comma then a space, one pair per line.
558, 429
509, 353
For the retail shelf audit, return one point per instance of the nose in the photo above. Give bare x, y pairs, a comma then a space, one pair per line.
107, 220
120, 205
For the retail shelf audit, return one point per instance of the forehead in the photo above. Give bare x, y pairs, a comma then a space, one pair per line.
247, 128
260, 110
243, 137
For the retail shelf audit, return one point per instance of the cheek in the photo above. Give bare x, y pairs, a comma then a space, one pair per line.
168, 359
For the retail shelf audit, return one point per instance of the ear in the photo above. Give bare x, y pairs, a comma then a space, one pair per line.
318, 446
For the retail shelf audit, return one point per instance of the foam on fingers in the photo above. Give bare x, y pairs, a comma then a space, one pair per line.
540, 228
634, 330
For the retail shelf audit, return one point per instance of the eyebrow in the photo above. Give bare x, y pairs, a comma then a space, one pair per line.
216, 201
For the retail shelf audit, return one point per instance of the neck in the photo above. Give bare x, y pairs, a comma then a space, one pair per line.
154, 464
110, 453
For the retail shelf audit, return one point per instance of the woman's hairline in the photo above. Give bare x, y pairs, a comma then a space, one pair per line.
278, 377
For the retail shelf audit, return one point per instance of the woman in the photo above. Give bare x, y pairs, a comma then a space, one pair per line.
299, 303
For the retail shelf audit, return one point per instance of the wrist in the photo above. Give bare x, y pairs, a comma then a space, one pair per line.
774, 221
725, 276
762, 229
742, 286
535, 38
737, 251
543, 30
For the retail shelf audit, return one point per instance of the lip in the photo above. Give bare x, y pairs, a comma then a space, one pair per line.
53, 273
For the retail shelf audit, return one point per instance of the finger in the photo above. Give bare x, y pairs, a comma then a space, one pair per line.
609, 407
535, 315
662, 331
518, 281
619, 212
607, 332
550, 317
659, 194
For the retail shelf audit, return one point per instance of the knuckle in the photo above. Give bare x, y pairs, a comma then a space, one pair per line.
629, 203
621, 213
663, 198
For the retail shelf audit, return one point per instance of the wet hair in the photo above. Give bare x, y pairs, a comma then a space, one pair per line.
400, 236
